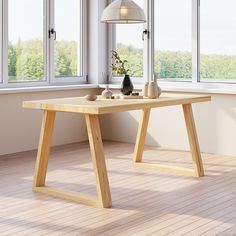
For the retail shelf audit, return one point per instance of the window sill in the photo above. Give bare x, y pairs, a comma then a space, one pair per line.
166, 87
46, 88
186, 87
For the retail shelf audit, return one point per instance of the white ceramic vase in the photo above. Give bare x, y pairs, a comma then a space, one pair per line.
154, 91
106, 93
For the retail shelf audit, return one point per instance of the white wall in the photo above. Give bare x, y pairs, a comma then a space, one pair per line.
215, 121
19, 128
97, 43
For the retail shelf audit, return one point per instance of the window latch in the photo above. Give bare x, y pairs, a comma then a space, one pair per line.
146, 32
52, 32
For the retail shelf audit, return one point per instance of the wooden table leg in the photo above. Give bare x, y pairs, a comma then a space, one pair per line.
192, 135
44, 148
193, 140
98, 158
96, 146
142, 131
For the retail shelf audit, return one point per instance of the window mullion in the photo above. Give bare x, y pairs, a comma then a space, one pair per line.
51, 42
195, 41
111, 44
46, 39
150, 15
148, 42
1, 40
5, 42
83, 38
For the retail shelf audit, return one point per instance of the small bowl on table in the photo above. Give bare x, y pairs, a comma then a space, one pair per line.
91, 97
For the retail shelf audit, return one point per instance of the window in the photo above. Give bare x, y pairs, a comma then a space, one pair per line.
1, 18
129, 45
26, 41
189, 42
68, 40
218, 40
172, 27
42, 42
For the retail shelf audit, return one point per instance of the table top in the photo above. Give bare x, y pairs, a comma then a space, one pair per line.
104, 106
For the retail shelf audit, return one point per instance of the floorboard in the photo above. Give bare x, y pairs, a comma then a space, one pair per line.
145, 202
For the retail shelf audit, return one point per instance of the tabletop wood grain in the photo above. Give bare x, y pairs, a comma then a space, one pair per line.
103, 106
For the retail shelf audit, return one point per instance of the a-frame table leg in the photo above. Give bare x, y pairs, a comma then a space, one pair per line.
193, 140
44, 148
98, 158
103, 190
141, 135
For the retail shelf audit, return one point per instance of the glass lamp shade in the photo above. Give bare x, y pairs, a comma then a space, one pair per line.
123, 12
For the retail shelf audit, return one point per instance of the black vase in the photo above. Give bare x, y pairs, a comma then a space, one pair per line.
127, 85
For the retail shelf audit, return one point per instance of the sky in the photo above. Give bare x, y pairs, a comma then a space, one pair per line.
172, 24
26, 19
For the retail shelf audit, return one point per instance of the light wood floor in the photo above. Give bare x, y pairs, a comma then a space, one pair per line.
144, 202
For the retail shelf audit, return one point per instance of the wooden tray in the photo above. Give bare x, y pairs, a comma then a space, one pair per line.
131, 97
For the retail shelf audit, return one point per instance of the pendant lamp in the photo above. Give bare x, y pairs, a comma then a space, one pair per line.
123, 12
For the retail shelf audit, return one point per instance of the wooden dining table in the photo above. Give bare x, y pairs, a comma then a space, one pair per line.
92, 111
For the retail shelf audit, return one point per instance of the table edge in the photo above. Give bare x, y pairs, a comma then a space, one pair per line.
106, 110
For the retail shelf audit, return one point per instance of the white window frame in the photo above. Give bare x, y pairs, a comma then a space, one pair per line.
81, 49
112, 46
194, 85
48, 50
194, 51
1, 40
